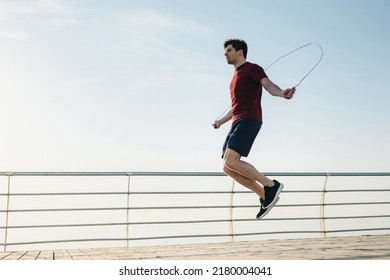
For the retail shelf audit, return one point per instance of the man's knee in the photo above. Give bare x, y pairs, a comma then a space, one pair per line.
226, 170
230, 160
229, 165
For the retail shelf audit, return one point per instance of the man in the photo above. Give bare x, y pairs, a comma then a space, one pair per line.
246, 115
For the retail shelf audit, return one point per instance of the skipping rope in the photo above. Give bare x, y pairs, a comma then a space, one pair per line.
287, 54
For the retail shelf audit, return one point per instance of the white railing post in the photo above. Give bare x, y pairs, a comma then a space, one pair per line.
129, 174
231, 226
9, 174
322, 207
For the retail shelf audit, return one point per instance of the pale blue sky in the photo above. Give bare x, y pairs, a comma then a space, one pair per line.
135, 85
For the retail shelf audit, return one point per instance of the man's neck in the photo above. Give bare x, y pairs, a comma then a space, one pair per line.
239, 63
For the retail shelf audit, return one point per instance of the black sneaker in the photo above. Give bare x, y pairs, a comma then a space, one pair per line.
264, 211
272, 194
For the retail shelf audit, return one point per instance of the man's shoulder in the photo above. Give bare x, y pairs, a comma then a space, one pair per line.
255, 71
252, 65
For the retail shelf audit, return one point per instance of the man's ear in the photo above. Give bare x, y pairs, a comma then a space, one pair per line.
241, 52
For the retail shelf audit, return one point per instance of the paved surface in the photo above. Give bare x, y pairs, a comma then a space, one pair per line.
333, 248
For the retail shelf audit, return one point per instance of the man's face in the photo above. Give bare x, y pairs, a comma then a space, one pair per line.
231, 54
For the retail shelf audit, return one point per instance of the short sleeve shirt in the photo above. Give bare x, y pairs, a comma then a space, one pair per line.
246, 91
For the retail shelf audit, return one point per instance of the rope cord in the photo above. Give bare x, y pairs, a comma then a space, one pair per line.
315, 65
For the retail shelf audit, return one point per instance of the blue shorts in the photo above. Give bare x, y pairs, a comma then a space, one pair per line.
241, 136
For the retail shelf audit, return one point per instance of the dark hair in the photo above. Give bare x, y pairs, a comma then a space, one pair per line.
237, 45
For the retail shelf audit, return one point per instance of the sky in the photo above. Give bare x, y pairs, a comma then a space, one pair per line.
91, 85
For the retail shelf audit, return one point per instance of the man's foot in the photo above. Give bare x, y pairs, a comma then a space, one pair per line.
264, 211
272, 194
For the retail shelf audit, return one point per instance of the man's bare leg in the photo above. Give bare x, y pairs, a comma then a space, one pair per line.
246, 182
249, 174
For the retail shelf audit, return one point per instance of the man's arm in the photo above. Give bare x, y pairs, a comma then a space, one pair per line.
275, 90
221, 121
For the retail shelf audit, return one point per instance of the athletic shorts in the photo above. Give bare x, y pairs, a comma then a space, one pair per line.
241, 136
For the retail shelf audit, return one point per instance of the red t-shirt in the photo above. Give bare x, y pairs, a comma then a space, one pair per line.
246, 90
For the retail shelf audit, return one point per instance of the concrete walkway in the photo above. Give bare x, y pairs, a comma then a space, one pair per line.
375, 247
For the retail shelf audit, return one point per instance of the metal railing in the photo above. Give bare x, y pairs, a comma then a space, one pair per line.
124, 212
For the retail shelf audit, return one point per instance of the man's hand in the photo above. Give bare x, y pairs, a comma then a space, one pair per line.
216, 124
289, 93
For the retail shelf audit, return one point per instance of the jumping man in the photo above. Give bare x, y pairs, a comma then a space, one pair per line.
246, 115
